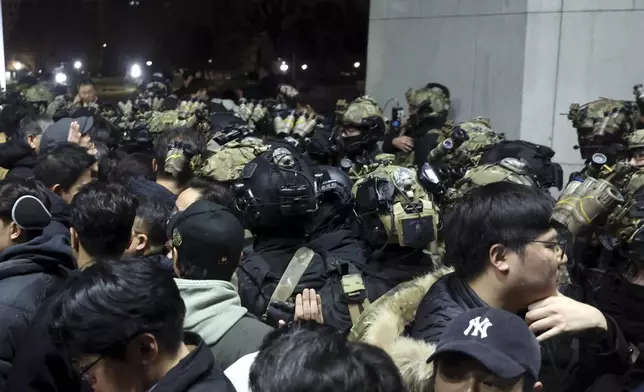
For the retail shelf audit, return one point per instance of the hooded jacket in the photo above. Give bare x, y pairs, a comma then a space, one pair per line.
29, 274
384, 324
60, 216
569, 363
214, 311
195, 373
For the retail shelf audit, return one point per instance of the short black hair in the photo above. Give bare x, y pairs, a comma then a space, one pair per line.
86, 82
498, 213
34, 127
192, 142
154, 214
102, 215
108, 303
196, 85
214, 191
63, 164
133, 166
324, 361
13, 189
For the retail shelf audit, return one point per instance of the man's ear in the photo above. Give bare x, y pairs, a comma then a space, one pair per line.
175, 262
538, 387
143, 349
57, 189
74, 239
498, 257
30, 141
154, 165
14, 231
142, 242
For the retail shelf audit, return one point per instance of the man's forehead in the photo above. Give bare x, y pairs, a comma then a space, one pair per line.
549, 235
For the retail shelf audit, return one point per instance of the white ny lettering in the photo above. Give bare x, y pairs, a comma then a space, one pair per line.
478, 327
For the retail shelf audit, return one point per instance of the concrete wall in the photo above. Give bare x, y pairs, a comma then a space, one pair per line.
519, 62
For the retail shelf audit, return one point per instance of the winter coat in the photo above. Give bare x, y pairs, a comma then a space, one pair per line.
214, 311
29, 274
195, 373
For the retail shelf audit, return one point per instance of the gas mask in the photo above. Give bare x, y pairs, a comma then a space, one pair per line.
393, 208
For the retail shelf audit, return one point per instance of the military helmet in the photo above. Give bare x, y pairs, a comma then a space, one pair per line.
39, 93
432, 101
636, 140
602, 123
363, 114
393, 208
508, 170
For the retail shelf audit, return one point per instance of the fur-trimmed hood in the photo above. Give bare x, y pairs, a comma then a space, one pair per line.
383, 325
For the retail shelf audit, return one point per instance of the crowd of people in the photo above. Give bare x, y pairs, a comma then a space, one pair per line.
179, 242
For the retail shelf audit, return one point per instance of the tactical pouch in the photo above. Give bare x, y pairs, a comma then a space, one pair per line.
356, 293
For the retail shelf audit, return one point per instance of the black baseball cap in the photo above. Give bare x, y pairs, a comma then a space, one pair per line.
58, 132
499, 340
208, 235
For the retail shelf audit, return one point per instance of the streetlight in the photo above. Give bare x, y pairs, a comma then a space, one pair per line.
60, 78
209, 61
105, 45
356, 64
148, 63
284, 67
78, 65
135, 71
17, 65
304, 67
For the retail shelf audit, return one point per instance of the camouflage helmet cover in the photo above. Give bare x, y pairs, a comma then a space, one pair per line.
636, 140
431, 101
39, 93
360, 110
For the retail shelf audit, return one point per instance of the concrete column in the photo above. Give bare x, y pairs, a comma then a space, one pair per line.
519, 62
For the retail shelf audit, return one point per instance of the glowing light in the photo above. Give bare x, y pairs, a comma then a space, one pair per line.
209, 61
78, 64
105, 45
60, 78
148, 63
356, 64
304, 67
284, 66
136, 71
17, 65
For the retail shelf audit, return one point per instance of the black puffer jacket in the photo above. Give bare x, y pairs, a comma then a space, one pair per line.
569, 364
60, 216
29, 274
18, 157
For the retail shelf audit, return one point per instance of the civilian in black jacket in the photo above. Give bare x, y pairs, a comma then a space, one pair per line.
506, 255
64, 169
32, 267
19, 155
102, 217
122, 321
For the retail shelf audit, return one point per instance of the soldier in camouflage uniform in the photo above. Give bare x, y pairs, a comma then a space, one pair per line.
428, 110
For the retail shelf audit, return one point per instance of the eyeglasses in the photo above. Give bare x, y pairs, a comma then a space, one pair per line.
83, 372
554, 245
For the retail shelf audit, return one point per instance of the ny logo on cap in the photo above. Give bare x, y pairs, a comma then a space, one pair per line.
478, 327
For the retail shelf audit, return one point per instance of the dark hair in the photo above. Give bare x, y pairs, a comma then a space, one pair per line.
86, 82
108, 303
13, 189
214, 191
34, 127
196, 85
314, 358
63, 164
102, 215
154, 214
133, 166
192, 144
498, 213
528, 379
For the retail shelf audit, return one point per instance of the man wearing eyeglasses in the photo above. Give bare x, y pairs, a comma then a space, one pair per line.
506, 255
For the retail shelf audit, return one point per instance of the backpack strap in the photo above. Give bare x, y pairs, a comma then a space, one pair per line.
291, 278
356, 292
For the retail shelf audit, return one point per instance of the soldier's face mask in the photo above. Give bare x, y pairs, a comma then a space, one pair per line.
388, 215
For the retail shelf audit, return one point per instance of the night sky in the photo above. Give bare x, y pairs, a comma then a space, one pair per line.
237, 35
